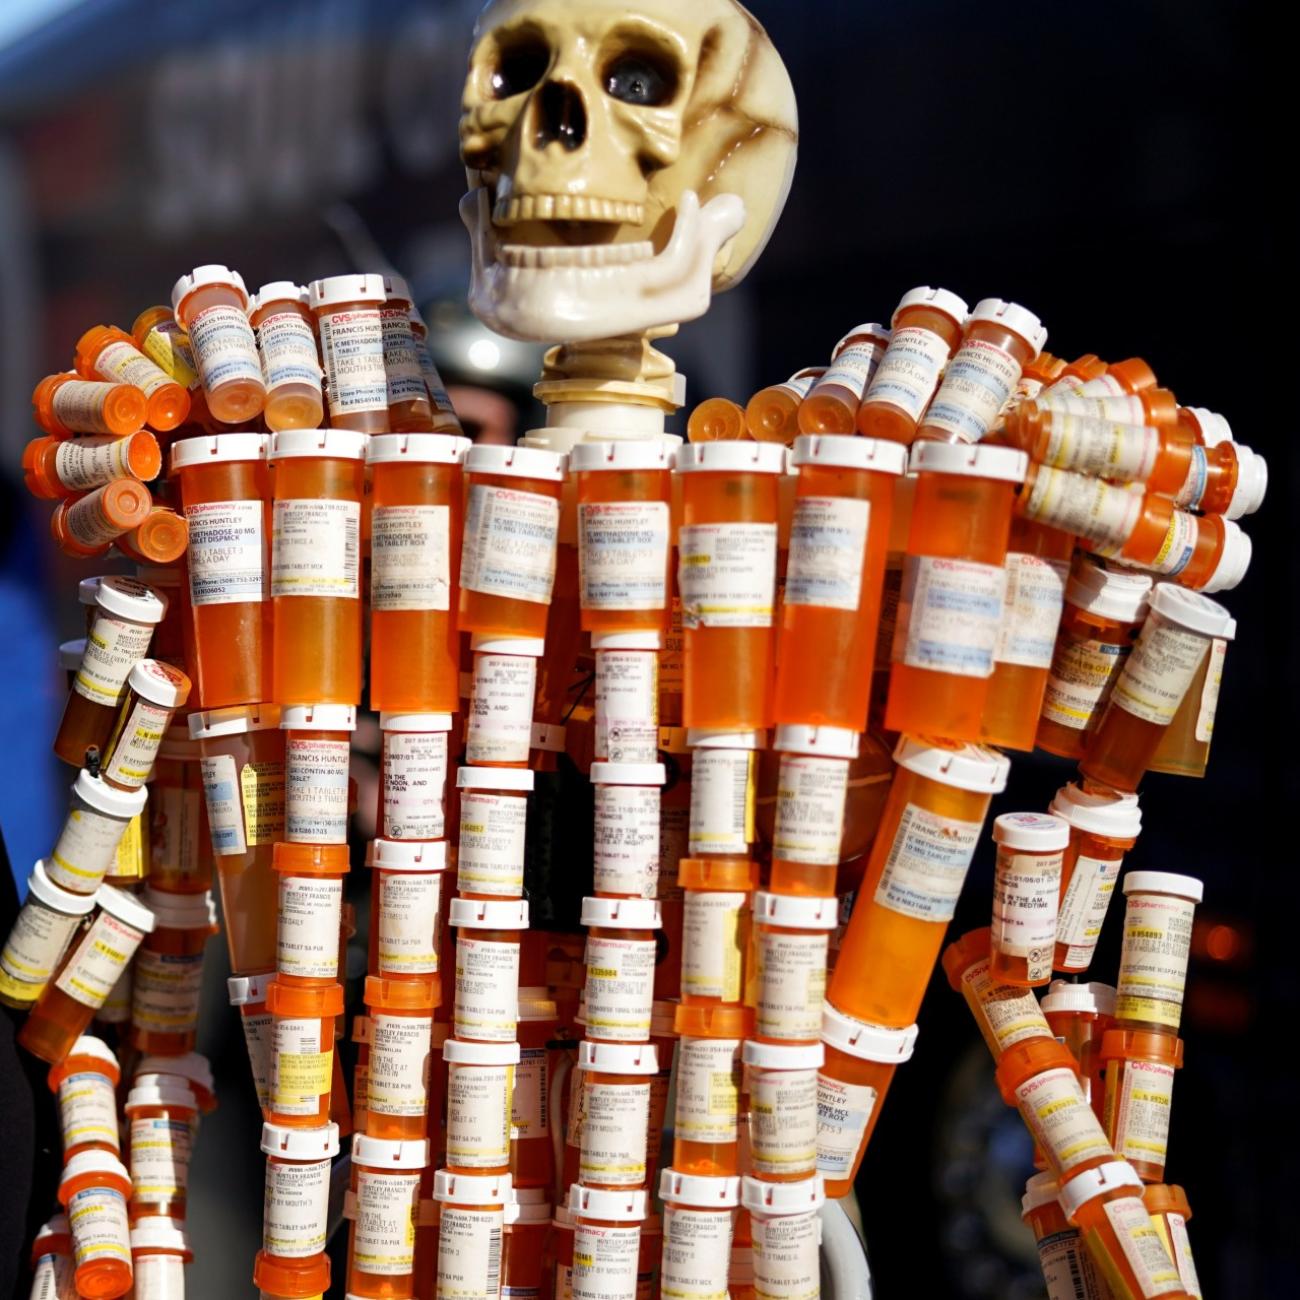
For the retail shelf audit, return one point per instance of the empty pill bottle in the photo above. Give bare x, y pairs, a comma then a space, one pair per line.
1074, 374
1105, 1204
627, 696
559, 1255
87, 975
1184, 748
285, 331
98, 817
159, 1252
1169, 1211
51, 1259
620, 958
1080, 1015
44, 927
160, 538
85, 1086
499, 722
606, 1242
527, 1232
444, 414
785, 1223
480, 1087
926, 331
493, 821
416, 521
1130, 376
624, 492
727, 578
1041, 1078
180, 859
1026, 894
85, 526
401, 1037
1005, 1013
716, 926
295, 1215
64, 406
716, 419
1177, 635
723, 792
626, 863
309, 911
1139, 1066
316, 565
954, 584
932, 821
706, 1124
155, 690
1103, 614
772, 414
94, 1190
616, 1086
211, 306
698, 1221
834, 579
508, 553
106, 353
781, 1083
54, 469
406, 908
532, 1154
1104, 826
831, 405
1151, 405
1157, 939
192, 1068
167, 977
1068, 1270
413, 775
999, 340
163, 1121
158, 335
488, 937
1226, 479
859, 1065
471, 1228
1036, 375
316, 753
248, 993
791, 940
302, 1052
409, 407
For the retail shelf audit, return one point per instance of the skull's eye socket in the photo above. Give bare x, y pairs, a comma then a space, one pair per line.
640, 78
521, 63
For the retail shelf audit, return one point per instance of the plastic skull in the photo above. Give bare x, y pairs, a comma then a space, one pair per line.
627, 158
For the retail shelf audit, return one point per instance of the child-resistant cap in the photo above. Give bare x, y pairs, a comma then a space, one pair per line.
1214, 429
618, 1058
1040, 1190
741, 456
1111, 593
621, 913
71, 654
837, 452
158, 1232
335, 289
488, 643
1112, 814
384, 994
277, 291
1120, 1044
93, 1162
1010, 315
1164, 882
248, 990
390, 1153
124, 908
208, 273
963, 953
1031, 832
88, 590
181, 911
331, 444
625, 456
130, 599
318, 717
415, 721
407, 855
294, 859
1252, 484
967, 767
294, 1000
536, 1003
943, 300
783, 1056
796, 911
643, 640
218, 449
396, 289
1091, 1183
494, 778
865, 1041
497, 914
456, 1052
870, 329
628, 774
192, 1066
169, 1093
516, 462
1191, 610
96, 1048
698, 1191
607, 1204
159, 683
817, 742
1166, 1198
1090, 998
714, 1020
238, 721
1234, 560
970, 460
44, 890
416, 449
472, 1189
700, 738
806, 1195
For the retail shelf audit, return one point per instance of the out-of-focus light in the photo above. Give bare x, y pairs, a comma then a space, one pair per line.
1222, 942
484, 354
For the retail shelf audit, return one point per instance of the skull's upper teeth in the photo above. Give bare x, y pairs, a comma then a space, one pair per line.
565, 207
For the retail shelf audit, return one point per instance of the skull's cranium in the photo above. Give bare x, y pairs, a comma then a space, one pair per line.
626, 158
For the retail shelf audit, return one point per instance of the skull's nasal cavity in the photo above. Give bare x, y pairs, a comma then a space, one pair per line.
560, 116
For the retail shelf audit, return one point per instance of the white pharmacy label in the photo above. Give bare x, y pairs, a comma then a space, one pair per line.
791, 984
708, 1089
1122, 453
352, 345
469, 1253
828, 540
1083, 908
927, 864
224, 347
383, 1240
783, 1121
160, 1158
530, 1100
696, 1252
166, 989
99, 960
713, 944
414, 778
487, 989
286, 345
810, 799
39, 937
627, 706
1035, 600
1103, 513
1159, 672
1082, 675
88, 1110
975, 388
909, 371
620, 988
225, 809
727, 574
1179, 544
1061, 1120
1010, 1014
257, 1039
499, 728
1209, 701
1180, 1249
177, 825
307, 928
399, 1064
614, 1134
78, 405
627, 840
722, 801
509, 544
1143, 1248
605, 1262
843, 1112
623, 555
949, 615
410, 567
316, 548
1068, 1270
1026, 888
302, 1064
112, 649
85, 463
853, 367
1141, 1118
478, 1115
316, 790
491, 854
99, 1225
787, 1251
409, 922
158, 1277
1153, 959
85, 848
401, 358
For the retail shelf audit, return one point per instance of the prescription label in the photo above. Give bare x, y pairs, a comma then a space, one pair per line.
158, 1277
492, 831
227, 552
478, 1115
1082, 675
383, 1240
614, 1134
1140, 1241
1061, 1120
949, 615
828, 541
1159, 672
620, 987
605, 1262
1153, 960
1011, 1013
713, 944
177, 846
401, 357
79, 406
843, 1112
791, 984
85, 848
722, 801
1178, 545
52, 1278
296, 1208
160, 1158
286, 346
623, 554
112, 648
469, 1253
316, 790
84, 463
257, 1039
1141, 1111
307, 929
1083, 908
352, 345
414, 785
671, 657
627, 840
224, 347
727, 575
165, 991
1180, 1250
121, 362
302, 1064
927, 864
1123, 453
783, 1121
117, 1007
530, 1099
786, 1256
810, 810
1026, 888
88, 1110
1104, 513
409, 922
500, 722
1035, 598
262, 786
674, 839
315, 548
487, 989
225, 813
627, 706
975, 388
410, 558
1122, 408
909, 371
399, 1064
852, 367
708, 1089
1209, 700
1068, 1270
1188, 497
97, 1216
696, 1251
168, 347
98, 961
509, 544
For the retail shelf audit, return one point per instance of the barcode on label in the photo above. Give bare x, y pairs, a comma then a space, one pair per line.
494, 1261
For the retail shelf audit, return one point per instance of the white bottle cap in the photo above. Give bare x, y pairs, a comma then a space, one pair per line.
333, 444
218, 449
796, 911
94, 1162
1112, 814
1091, 998
940, 299
1191, 610
626, 641
782, 1198
783, 1056
621, 913
193, 1066
873, 328
456, 1052
498, 914
612, 1206
159, 683
209, 273
971, 460
1012, 316
158, 1232
416, 721
277, 291
1031, 832
699, 738
407, 855
472, 1189
628, 774
536, 1003
623, 455
1040, 1190
1091, 1183
71, 654
166, 1092
1252, 484
618, 1058
529, 1211
516, 462
396, 289
494, 778
741, 456
1214, 428
107, 799
88, 590
1122, 596
236, 721
390, 1153
816, 742
868, 1042
698, 1191
1233, 561
971, 767
838, 452
530, 647
249, 990
1164, 882
130, 599
124, 908
335, 289
318, 717
89, 1045
180, 911
416, 449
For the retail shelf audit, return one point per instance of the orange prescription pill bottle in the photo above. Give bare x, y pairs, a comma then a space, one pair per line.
105, 352
361, 1073
248, 993
1067, 1267
508, 552
1170, 1212
211, 306
1104, 826
471, 1228
927, 329
166, 344
1150, 405
1005, 1013
486, 1005
1104, 611
41, 932
716, 420
1026, 892
1076, 373
93, 1191
698, 1219
1000, 339
1226, 479
51, 1258
155, 690
616, 1086
624, 491
1184, 748
167, 977
834, 579
791, 940
727, 577
1157, 940
406, 906
785, 1223
781, 1084
64, 405
715, 928
385, 1196
606, 1242
180, 857
84, 526
309, 911
302, 1052
480, 1087
159, 1252
499, 722
401, 1038
527, 1233
53, 469
831, 405
295, 1213
851, 1085
285, 331
626, 863
954, 582
413, 775
1139, 1066
416, 521
87, 976
444, 414
163, 1121
85, 1083
98, 817
316, 752
620, 958
532, 1154
1080, 1015
409, 406
1131, 376
772, 414
493, 821
315, 565
1175, 638
1106, 1205
933, 818
1043, 370
161, 538
706, 1125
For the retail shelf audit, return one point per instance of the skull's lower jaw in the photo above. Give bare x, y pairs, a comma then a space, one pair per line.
575, 293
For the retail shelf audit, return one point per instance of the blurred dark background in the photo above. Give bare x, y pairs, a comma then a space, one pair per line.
1117, 168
